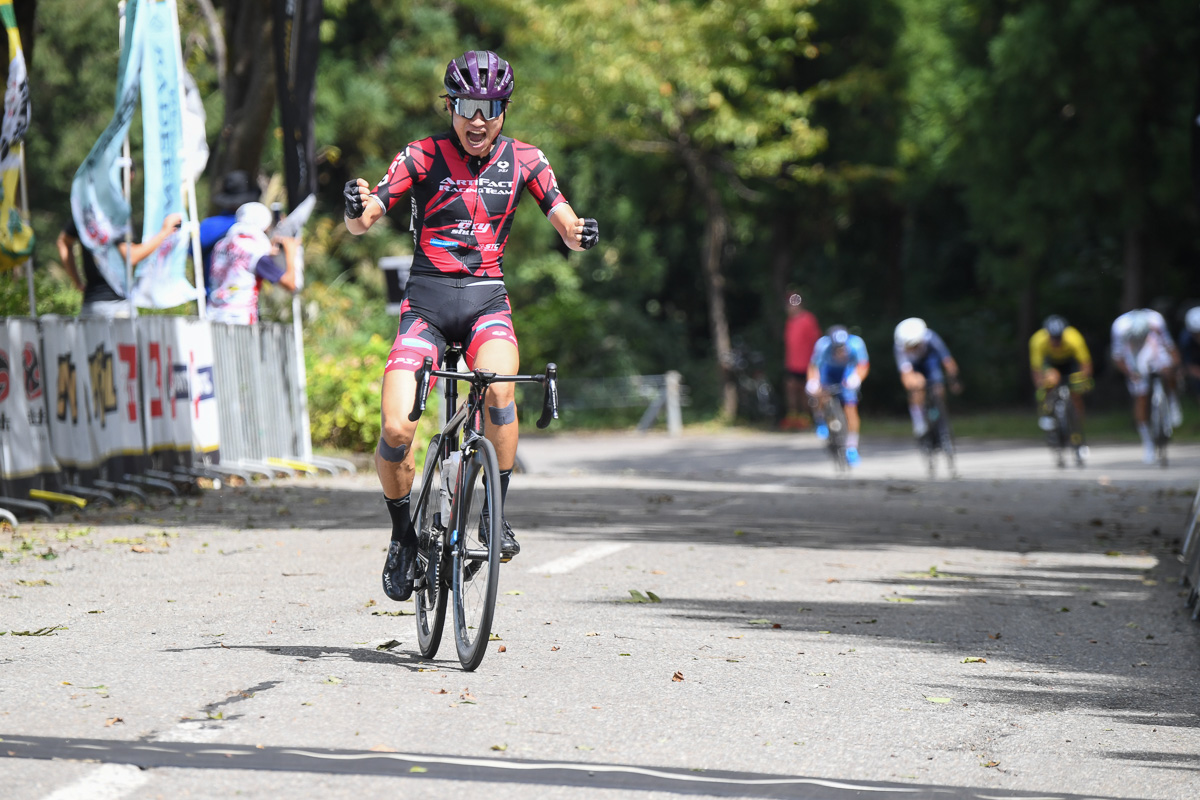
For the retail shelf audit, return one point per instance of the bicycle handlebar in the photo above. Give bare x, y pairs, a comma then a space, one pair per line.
480, 377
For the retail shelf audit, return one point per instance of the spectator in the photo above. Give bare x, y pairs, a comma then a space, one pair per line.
800, 335
100, 299
242, 260
236, 190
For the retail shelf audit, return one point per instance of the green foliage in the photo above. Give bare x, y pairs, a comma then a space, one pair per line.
977, 162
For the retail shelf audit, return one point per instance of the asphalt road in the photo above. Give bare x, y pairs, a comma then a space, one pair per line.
1015, 632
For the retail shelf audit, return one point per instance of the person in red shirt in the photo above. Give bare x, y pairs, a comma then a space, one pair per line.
800, 334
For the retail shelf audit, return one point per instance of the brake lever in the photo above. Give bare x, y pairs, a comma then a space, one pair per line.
422, 377
550, 397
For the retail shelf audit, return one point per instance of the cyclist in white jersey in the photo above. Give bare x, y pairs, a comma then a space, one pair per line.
1141, 347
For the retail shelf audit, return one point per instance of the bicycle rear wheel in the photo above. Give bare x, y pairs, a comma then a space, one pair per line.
835, 420
430, 595
476, 553
1160, 420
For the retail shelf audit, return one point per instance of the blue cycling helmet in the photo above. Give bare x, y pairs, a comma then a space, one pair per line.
838, 335
1055, 325
479, 75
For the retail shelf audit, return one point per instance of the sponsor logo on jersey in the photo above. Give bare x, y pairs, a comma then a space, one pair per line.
445, 243
476, 185
466, 226
503, 166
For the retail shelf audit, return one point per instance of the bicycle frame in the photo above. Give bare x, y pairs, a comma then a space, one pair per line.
448, 544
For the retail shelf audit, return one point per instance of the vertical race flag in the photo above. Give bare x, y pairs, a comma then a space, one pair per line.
296, 31
150, 66
16, 236
98, 203
161, 279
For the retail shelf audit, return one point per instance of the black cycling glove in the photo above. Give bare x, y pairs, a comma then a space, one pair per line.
354, 200
591, 233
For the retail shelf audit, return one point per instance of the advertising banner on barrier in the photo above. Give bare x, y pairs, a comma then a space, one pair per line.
159, 348
178, 396
69, 393
25, 452
113, 367
197, 350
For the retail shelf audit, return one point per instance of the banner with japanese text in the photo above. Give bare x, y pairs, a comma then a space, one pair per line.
25, 451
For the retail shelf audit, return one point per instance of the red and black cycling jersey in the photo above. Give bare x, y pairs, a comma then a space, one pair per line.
463, 207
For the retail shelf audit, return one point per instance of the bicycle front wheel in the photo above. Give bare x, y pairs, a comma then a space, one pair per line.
430, 594
479, 522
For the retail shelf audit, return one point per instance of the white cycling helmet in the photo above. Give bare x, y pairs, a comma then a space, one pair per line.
1139, 325
911, 332
1192, 320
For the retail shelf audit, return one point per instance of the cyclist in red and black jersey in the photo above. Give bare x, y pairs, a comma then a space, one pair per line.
464, 186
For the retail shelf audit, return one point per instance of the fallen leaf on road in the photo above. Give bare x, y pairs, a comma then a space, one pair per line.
438, 691
658, 572
397, 613
383, 748
991, 764
417, 769
108, 723
1100, 603
493, 637
899, 599
38, 582
760, 622
500, 747
677, 677
332, 679
939, 700
994, 636
140, 548
50, 631
514, 591
974, 660
388, 645
552, 649
776, 625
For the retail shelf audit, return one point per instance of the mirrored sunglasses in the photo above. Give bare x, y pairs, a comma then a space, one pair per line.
467, 107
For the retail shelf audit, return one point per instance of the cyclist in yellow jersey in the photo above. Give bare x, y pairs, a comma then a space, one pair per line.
1055, 350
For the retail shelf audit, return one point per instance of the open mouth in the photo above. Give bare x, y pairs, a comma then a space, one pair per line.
476, 138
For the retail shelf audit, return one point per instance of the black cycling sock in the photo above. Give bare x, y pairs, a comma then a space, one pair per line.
402, 527
505, 474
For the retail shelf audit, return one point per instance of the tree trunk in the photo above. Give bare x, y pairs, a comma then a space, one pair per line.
249, 89
716, 233
1132, 285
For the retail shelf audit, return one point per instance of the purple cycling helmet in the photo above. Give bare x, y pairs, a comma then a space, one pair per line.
479, 75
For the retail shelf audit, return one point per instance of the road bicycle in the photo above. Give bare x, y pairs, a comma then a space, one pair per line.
458, 513
938, 436
1160, 418
1062, 426
831, 408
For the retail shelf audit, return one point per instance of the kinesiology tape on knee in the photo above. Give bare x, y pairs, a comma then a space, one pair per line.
503, 416
392, 454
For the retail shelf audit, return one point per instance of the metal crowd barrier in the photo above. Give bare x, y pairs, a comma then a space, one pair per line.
1191, 557
656, 392
92, 407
